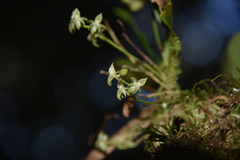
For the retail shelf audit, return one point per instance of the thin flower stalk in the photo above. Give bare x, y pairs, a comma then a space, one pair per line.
131, 57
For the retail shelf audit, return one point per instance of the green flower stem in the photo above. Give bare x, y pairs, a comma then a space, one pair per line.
131, 57
142, 101
85, 26
125, 82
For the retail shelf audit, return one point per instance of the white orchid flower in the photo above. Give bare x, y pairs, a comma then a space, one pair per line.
96, 27
76, 21
135, 86
112, 74
122, 90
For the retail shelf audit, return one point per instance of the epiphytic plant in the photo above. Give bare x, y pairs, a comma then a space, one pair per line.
206, 120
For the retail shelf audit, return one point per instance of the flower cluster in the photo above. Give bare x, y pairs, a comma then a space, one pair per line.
124, 88
95, 26
96, 31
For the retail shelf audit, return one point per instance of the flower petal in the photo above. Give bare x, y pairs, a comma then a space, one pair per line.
133, 89
142, 81
78, 24
119, 94
98, 18
93, 29
94, 42
111, 69
133, 79
75, 13
71, 27
109, 81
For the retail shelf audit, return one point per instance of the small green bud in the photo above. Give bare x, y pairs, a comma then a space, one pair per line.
123, 71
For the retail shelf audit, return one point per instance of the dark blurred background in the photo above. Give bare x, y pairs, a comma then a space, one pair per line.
52, 96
